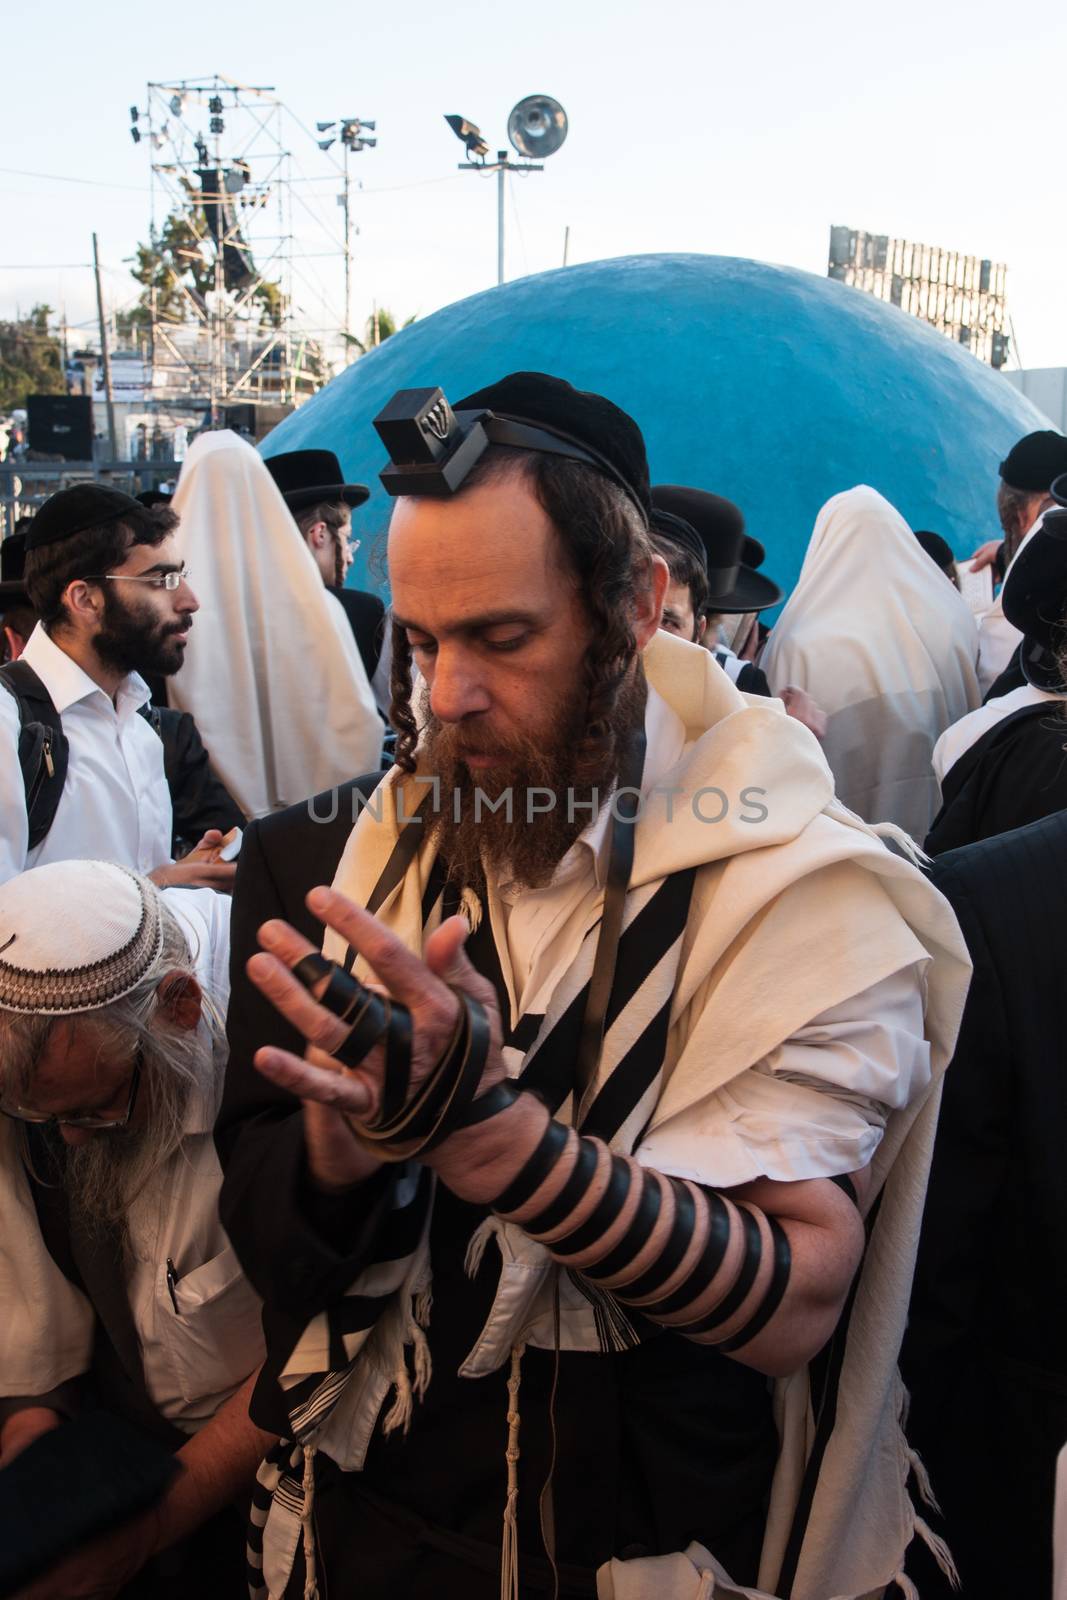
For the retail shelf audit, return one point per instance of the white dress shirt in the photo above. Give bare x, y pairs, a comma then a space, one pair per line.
200, 1330
817, 1105
115, 804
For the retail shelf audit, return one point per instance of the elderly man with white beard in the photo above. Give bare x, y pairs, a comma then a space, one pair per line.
120, 1288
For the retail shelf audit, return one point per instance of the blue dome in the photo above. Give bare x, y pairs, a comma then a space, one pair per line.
768, 385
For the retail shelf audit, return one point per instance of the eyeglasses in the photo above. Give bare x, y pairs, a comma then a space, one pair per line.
155, 580
94, 1120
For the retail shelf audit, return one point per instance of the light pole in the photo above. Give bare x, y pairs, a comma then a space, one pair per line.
537, 126
352, 133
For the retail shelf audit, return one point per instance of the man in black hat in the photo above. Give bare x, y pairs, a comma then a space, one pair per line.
313, 487
618, 1410
1004, 765
1023, 497
81, 771
17, 616
715, 587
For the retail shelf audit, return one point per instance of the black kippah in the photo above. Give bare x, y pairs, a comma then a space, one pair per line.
577, 414
73, 510
1035, 461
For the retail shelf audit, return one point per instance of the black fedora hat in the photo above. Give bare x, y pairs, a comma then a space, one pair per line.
734, 584
1034, 598
310, 477
13, 589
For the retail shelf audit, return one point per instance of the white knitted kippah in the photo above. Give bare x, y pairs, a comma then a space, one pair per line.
75, 935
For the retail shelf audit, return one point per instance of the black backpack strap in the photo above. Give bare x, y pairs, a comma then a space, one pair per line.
152, 716
42, 747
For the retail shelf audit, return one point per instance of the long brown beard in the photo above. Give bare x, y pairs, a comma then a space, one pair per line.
525, 844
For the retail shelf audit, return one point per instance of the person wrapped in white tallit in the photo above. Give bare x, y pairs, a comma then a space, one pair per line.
273, 676
744, 977
886, 645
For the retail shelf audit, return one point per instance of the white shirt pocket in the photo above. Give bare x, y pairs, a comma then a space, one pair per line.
210, 1331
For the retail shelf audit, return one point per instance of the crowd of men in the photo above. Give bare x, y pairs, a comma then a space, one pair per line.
494, 1091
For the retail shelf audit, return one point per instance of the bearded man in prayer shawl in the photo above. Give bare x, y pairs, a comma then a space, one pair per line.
641, 1110
275, 681
888, 649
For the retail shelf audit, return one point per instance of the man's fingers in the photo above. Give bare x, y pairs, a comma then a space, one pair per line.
402, 973
288, 995
343, 1091
446, 955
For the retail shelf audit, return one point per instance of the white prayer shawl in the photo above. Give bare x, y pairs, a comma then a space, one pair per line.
887, 647
788, 917
277, 687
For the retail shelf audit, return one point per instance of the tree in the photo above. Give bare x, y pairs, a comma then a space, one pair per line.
381, 325
31, 359
177, 267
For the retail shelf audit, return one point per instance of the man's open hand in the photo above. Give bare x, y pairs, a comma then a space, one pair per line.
200, 869
332, 1093
986, 554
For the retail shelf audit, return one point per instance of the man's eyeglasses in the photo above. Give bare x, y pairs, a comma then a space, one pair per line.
156, 580
93, 1120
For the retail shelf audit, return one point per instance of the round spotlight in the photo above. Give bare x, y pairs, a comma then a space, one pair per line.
537, 126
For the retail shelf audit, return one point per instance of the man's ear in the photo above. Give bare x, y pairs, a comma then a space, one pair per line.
702, 628
316, 535
84, 601
648, 608
179, 999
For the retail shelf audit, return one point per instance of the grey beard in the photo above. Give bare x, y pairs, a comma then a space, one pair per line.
105, 1177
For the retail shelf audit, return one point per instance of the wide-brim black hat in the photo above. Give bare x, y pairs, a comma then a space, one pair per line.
1034, 600
313, 477
733, 585
13, 589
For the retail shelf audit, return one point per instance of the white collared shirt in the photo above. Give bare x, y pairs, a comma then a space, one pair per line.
115, 804
814, 1107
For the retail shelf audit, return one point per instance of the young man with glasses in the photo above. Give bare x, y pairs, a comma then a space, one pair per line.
120, 1288
112, 595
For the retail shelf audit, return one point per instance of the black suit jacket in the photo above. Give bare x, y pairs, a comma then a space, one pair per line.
984, 1355
366, 618
281, 1228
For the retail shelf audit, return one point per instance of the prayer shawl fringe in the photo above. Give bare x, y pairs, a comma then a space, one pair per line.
717, 966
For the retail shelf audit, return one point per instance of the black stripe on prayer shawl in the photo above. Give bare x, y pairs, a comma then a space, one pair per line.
641, 948
634, 1075
824, 1379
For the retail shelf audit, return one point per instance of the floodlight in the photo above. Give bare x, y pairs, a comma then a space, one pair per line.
324, 144
469, 135
134, 113
135, 135
214, 105
537, 126
216, 125
177, 105
324, 127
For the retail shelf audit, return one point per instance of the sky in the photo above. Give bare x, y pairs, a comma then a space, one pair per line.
695, 125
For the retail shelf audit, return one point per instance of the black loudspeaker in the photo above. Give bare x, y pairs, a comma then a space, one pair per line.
241, 417
61, 425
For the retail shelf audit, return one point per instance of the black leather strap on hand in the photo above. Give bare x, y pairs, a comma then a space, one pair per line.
404, 1128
